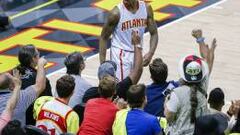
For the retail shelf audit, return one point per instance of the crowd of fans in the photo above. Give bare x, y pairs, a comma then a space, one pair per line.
176, 107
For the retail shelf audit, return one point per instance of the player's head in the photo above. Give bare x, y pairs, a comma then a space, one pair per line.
129, 2
107, 68
65, 86
136, 96
107, 86
216, 99
158, 70
28, 56
74, 63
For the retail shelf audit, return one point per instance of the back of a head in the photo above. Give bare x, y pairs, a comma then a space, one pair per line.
65, 86
107, 86
26, 54
4, 81
214, 124
158, 70
216, 97
136, 95
13, 128
73, 62
107, 68
236, 127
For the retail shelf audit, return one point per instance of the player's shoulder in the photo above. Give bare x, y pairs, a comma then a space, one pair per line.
115, 11
114, 14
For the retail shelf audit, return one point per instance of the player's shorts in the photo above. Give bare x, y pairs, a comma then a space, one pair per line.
124, 60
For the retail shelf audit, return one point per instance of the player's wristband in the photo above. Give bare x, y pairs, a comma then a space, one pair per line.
139, 46
200, 40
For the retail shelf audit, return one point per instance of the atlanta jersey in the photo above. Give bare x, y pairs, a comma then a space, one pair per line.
127, 23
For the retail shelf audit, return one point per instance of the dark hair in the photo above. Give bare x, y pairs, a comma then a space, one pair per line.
107, 86
158, 70
73, 62
207, 125
136, 95
194, 101
25, 57
65, 86
216, 97
13, 128
194, 87
236, 127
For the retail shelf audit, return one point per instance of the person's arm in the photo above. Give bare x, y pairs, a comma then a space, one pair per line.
206, 53
170, 107
12, 101
72, 123
152, 28
136, 72
40, 84
107, 30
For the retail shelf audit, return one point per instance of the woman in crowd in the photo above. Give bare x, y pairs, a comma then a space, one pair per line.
28, 57
189, 101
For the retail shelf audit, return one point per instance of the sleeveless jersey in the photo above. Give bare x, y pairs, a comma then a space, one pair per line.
52, 117
128, 22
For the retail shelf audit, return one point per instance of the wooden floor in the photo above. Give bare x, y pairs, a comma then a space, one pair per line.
175, 41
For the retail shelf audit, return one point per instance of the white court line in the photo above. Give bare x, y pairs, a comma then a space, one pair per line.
162, 27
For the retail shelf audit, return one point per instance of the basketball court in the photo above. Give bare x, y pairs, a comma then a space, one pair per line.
59, 27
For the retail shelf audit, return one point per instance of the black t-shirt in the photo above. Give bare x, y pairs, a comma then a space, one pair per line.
121, 89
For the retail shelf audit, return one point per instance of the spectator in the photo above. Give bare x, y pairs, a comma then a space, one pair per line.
234, 113
136, 121
53, 115
74, 63
189, 101
216, 101
6, 115
27, 96
236, 127
109, 68
13, 128
28, 57
214, 124
100, 112
156, 91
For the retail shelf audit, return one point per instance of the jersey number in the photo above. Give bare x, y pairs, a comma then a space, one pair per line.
50, 131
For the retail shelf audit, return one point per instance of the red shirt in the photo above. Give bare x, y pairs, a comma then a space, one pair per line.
99, 116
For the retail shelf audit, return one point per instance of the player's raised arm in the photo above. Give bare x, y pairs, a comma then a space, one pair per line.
152, 28
108, 29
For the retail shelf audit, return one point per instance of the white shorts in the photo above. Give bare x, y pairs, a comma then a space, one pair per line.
124, 60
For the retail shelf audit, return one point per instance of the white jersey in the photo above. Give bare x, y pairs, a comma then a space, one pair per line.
127, 23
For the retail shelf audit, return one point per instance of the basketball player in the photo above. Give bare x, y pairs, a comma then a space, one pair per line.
128, 16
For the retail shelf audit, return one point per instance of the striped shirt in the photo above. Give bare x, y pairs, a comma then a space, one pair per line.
26, 98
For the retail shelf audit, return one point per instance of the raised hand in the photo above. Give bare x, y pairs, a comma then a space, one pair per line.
135, 38
42, 61
197, 33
